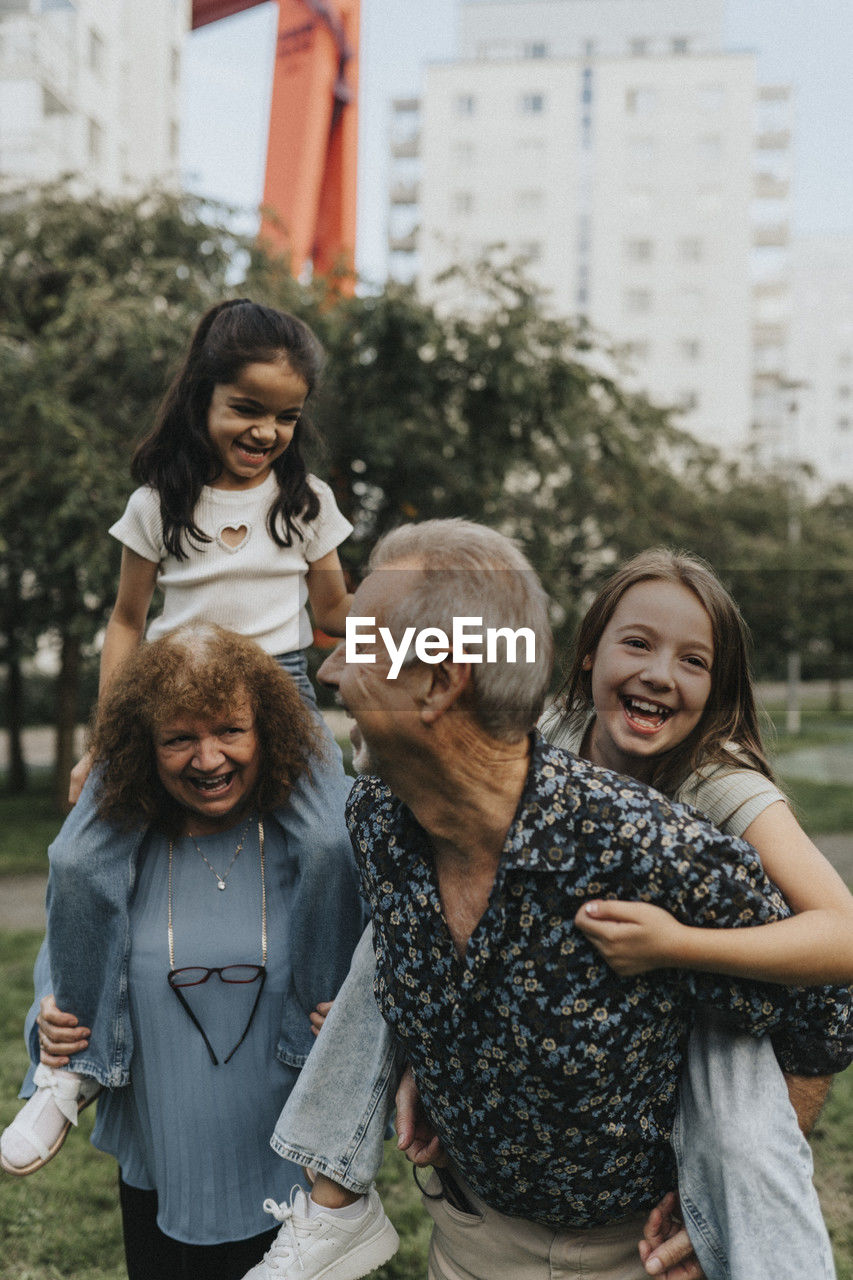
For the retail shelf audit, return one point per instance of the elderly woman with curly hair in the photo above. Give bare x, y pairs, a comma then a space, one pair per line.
232, 938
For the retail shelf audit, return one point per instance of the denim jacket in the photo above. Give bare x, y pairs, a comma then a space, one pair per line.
84, 960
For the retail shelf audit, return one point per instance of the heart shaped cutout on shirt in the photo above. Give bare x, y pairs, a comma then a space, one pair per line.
232, 537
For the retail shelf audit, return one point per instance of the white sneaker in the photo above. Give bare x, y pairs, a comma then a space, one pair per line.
324, 1246
41, 1126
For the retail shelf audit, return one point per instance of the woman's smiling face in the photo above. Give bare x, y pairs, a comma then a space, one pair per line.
650, 675
210, 764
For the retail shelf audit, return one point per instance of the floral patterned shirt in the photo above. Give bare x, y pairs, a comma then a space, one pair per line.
552, 1081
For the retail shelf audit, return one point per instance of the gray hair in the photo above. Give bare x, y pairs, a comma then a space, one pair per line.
458, 568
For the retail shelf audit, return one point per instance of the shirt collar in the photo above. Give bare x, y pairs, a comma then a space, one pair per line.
543, 833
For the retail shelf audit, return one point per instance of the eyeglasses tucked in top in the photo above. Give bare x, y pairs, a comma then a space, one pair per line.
195, 975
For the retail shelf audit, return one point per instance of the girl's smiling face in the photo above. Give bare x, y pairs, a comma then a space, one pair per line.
251, 421
650, 675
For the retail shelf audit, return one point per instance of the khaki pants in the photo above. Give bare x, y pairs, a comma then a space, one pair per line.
491, 1246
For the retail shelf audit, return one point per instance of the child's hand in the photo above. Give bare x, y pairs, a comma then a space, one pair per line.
59, 1034
319, 1015
633, 937
79, 774
665, 1249
415, 1134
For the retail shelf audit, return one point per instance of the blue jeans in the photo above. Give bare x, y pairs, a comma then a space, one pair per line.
744, 1168
92, 873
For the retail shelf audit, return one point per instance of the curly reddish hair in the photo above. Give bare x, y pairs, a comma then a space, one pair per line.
196, 670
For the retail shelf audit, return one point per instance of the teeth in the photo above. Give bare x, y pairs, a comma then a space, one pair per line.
213, 784
641, 708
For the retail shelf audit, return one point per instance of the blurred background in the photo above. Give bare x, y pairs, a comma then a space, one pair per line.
583, 270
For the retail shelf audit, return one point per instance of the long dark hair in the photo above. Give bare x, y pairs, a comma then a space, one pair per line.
730, 718
176, 457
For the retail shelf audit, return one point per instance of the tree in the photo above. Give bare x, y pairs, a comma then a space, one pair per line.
98, 297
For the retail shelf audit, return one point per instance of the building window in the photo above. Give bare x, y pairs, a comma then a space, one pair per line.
639, 350
691, 349
462, 202
531, 201
530, 250
691, 249
96, 139
843, 424
845, 359
640, 101
96, 52
588, 48
843, 393
680, 45
175, 66
638, 48
465, 104
639, 250
174, 140
463, 152
688, 401
638, 301
532, 104
536, 49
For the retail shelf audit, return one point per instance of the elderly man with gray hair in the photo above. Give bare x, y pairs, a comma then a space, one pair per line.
550, 1081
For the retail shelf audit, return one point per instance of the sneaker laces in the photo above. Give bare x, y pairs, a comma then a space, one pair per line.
287, 1249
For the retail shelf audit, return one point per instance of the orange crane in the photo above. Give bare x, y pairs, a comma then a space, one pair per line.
310, 184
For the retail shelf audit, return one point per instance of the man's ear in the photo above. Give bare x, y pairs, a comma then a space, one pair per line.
448, 682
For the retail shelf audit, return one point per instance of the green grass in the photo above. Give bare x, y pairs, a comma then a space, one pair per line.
28, 824
820, 807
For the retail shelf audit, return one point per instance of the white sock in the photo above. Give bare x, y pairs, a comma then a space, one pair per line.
42, 1117
353, 1210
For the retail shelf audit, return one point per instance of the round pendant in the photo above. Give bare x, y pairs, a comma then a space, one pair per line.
220, 884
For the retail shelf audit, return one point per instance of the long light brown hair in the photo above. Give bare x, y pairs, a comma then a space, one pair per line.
196, 670
730, 719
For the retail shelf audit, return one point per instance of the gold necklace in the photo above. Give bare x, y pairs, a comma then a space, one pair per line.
220, 880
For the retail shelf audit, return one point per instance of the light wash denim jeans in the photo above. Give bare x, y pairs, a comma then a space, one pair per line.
92, 871
744, 1168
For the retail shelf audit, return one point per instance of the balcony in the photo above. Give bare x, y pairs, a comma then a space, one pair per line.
406, 148
405, 193
766, 186
769, 335
777, 236
404, 244
774, 140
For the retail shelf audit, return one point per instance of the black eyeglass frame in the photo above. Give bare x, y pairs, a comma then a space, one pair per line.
260, 973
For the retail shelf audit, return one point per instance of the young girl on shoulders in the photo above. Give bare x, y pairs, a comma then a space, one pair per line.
229, 523
659, 688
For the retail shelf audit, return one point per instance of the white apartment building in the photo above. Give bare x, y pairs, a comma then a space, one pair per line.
637, 167
808, 415
90, 87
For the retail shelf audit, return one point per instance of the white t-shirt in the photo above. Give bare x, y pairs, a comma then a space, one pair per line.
255, 588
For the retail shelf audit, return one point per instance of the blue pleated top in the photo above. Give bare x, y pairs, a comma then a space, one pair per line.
196, 1133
